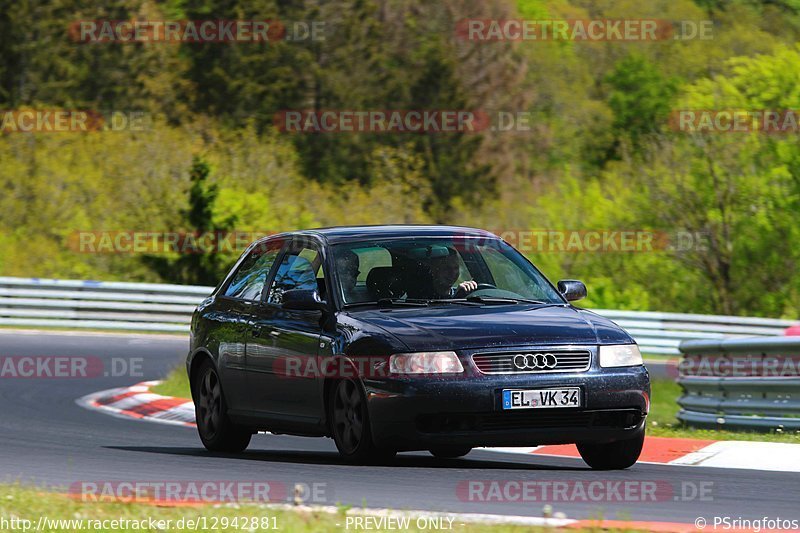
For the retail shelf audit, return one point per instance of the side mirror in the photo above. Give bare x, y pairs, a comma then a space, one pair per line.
303, 300
572, 289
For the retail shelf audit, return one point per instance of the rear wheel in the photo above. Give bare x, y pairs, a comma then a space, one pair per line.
616, 455
450, 452
350, 424
216, 430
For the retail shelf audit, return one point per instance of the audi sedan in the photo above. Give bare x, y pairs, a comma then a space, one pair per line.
398, 338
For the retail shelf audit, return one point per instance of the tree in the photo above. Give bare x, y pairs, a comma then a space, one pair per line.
195, 265
740, 189
640, 98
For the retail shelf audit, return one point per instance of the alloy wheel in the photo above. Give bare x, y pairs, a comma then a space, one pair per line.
348, 416
210, 403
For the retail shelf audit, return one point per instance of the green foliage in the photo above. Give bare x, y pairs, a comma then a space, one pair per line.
203, 266
640, 97
598, 154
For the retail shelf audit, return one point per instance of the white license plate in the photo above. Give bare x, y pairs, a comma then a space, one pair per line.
541, 398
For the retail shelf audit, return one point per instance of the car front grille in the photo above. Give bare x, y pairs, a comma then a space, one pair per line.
532, 361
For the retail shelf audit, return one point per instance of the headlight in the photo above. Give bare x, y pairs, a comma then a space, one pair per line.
620, 355
425, 363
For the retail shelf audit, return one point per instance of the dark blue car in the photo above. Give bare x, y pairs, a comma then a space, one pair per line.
396, 338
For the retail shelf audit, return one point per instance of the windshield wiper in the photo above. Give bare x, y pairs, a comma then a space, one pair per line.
390, 302
460, 301
497, 300
409, 302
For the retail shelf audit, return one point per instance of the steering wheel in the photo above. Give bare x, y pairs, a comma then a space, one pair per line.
461, 293
476, 291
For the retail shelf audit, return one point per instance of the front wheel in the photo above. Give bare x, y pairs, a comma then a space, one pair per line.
616, 455
350, 425
216, 430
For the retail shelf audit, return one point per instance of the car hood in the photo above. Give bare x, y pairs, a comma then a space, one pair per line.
456, 327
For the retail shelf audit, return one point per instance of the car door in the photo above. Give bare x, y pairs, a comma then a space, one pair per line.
227, 325
232, 314
282, 349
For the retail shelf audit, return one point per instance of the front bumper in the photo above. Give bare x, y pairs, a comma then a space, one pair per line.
423, 412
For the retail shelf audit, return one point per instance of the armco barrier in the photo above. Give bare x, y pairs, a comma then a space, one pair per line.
168, 308
98, 304
662, 333
726, 400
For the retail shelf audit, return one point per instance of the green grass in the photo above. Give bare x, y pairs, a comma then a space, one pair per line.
27, 503
661, 422
175, 384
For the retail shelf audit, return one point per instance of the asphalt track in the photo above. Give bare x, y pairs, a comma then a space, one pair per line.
47, 439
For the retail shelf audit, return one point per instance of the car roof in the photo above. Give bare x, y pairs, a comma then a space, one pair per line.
337, 234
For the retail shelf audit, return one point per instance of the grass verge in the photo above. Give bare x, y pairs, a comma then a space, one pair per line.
175, 384
662, 421
59, 512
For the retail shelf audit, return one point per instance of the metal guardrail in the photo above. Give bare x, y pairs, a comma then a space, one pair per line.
763, 394
168, 308
662, 333
98, 304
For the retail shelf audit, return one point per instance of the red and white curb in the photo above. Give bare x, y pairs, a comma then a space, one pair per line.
771, 456
138, 402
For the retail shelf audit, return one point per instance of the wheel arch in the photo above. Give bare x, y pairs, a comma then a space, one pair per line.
197, 359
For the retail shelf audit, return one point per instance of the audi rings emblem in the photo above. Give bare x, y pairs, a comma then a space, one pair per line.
535, 361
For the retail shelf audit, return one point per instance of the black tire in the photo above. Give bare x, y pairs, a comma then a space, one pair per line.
450, 452
616, 455
350, 428
216, 430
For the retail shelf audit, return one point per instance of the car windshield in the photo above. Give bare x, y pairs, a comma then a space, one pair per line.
425, 270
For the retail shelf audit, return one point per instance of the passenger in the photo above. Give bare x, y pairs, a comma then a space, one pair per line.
347, 264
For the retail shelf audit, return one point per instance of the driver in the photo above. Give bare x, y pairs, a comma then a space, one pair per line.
445, 272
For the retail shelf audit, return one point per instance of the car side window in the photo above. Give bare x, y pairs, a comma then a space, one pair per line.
248, 282
298, 270
370, 258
